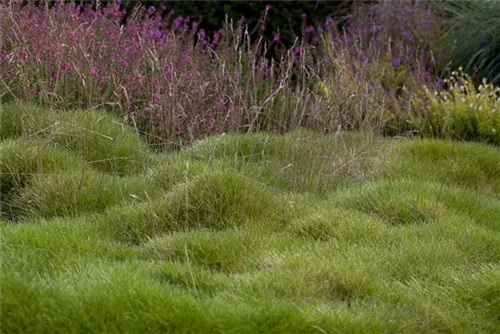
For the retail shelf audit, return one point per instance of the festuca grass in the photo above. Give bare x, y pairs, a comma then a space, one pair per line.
99, 138
255, 233
82, 192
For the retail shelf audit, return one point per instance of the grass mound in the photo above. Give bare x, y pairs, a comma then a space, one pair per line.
20, 160
398, 203
301, 161
214, 200
228, 251
101, 139
73, 194
470, 165
106, 143
22, 120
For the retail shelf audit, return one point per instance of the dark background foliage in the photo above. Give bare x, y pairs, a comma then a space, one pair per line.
289, 18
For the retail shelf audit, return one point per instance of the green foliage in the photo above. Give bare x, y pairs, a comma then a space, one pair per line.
20, 160
471, 38
463, 112
300, 161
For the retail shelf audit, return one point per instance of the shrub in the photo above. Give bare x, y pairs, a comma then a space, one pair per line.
463, 112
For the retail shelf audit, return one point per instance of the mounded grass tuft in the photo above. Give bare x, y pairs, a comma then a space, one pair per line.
213, 200
327, 223
22, 120
472, 165
20, 160
397, 203
82, 192
300, 161
229, 251
104, 141
175, 168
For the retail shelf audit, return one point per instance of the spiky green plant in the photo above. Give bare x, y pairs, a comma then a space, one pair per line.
471, 38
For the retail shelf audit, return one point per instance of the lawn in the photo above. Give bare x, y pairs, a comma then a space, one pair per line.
243, 233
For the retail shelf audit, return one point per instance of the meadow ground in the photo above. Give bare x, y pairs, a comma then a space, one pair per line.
294, 233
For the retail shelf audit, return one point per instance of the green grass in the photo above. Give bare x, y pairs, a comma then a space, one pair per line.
256, 233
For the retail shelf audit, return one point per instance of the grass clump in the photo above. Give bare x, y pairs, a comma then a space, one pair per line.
104, 141
20, 160
470, 165
398, 203
73, 194
300, 161
22, 120
228, 251
214, 200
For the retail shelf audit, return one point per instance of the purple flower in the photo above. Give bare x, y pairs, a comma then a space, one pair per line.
155, 33
309, 30
31, 93
226, 52
211, 122
346, 39
396, 62
124, 63
189, 75
297, 51
93, 71
327, 59
268, 8
151, 9
276, 38
329, 22
67, 68
186, 59
73, 36
177, 22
